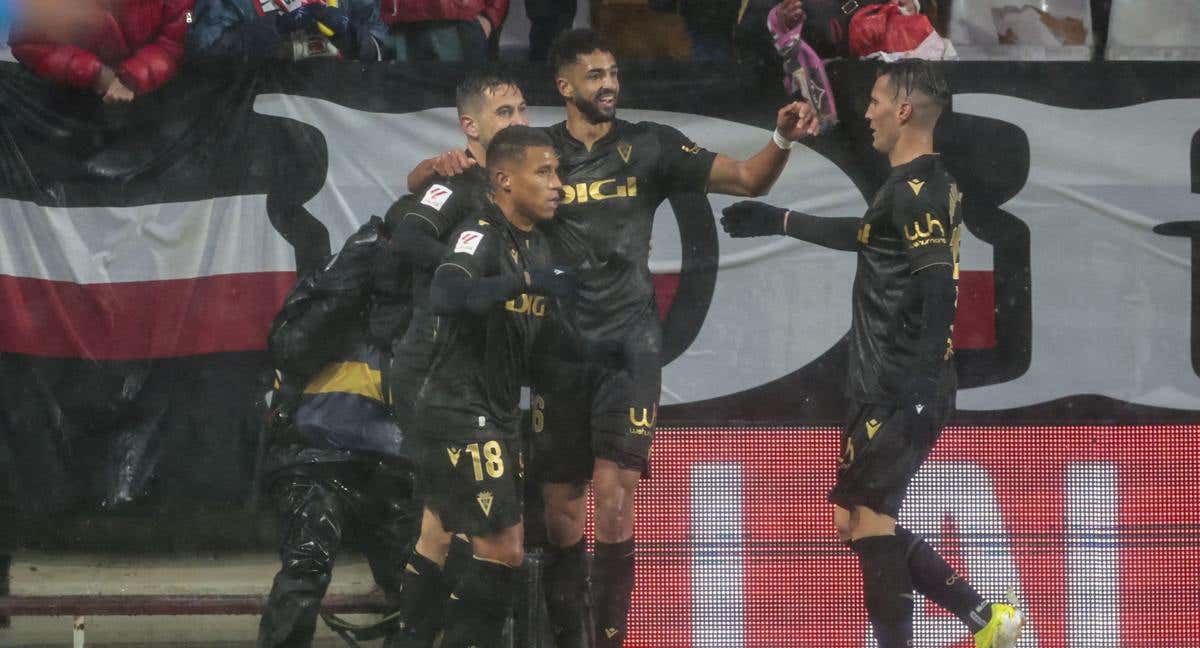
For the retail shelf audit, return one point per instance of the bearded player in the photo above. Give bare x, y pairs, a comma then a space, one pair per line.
599, 427
902, 379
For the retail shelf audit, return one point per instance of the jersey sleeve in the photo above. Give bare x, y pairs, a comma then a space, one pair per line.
922, 217
471, 249
437, 210
683, 165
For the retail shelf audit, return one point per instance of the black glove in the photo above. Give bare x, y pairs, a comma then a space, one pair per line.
553, 282
752, 218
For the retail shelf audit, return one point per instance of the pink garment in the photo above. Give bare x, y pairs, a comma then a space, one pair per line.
805, 75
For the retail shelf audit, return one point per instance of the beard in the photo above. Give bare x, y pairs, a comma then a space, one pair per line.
593, 112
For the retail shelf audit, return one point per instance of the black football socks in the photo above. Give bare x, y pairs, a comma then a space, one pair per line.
887, 588
480, 605
613, 576
566, 581
934, 578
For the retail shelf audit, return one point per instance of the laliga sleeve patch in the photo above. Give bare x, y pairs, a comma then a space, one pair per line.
468, 242
436, 196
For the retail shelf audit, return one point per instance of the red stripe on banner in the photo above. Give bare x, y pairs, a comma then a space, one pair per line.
665, 287
975, 324
140, 319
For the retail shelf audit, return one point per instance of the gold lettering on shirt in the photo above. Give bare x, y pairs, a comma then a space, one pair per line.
599, 190
919, 233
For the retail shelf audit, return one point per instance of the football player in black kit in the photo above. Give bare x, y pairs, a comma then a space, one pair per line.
599, 426
487, 102
491, 292
902, 379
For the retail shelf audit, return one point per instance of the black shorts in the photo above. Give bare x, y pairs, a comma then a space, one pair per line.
882, 449
474, 485
605, 410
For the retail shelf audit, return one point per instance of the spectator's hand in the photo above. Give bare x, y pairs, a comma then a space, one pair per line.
118, 93
797, 120
908, 7
452, 163
104, 80
793, 13
748, 218
485, 24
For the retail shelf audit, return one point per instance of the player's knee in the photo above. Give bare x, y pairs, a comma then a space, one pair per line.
434, 541
506, 547
614, 507
869, 523
843, 523
566, 513
434, 546
564, 527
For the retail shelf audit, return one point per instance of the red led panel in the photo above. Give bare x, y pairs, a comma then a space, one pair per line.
1096, 528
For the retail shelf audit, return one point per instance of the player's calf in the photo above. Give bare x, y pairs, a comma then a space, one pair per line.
425, 588
887, 588
614, 568
565, 512
482, 600
843, 523
614, 489
565, 569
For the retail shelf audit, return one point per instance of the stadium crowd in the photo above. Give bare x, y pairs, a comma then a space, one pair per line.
129, 47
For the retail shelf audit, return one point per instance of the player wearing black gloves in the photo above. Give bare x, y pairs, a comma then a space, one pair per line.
488, 102
598, 425
492, 294
901, 373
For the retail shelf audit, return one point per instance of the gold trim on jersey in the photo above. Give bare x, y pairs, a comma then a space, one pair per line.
624, 149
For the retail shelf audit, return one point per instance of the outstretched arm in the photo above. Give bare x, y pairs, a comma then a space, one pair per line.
756, 175
455, 291
749, 218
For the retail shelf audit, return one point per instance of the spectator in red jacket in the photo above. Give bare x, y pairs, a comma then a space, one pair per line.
133, 48
445, 30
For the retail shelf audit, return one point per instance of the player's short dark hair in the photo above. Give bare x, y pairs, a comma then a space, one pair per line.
918, 75
573, 43
479, 82
511, 144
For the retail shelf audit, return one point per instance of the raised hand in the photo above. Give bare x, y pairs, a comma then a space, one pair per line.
453, 162
797, 120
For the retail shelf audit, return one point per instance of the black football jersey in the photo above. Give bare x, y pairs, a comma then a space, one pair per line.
437, 210
480, 362
602, 227
912, 223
